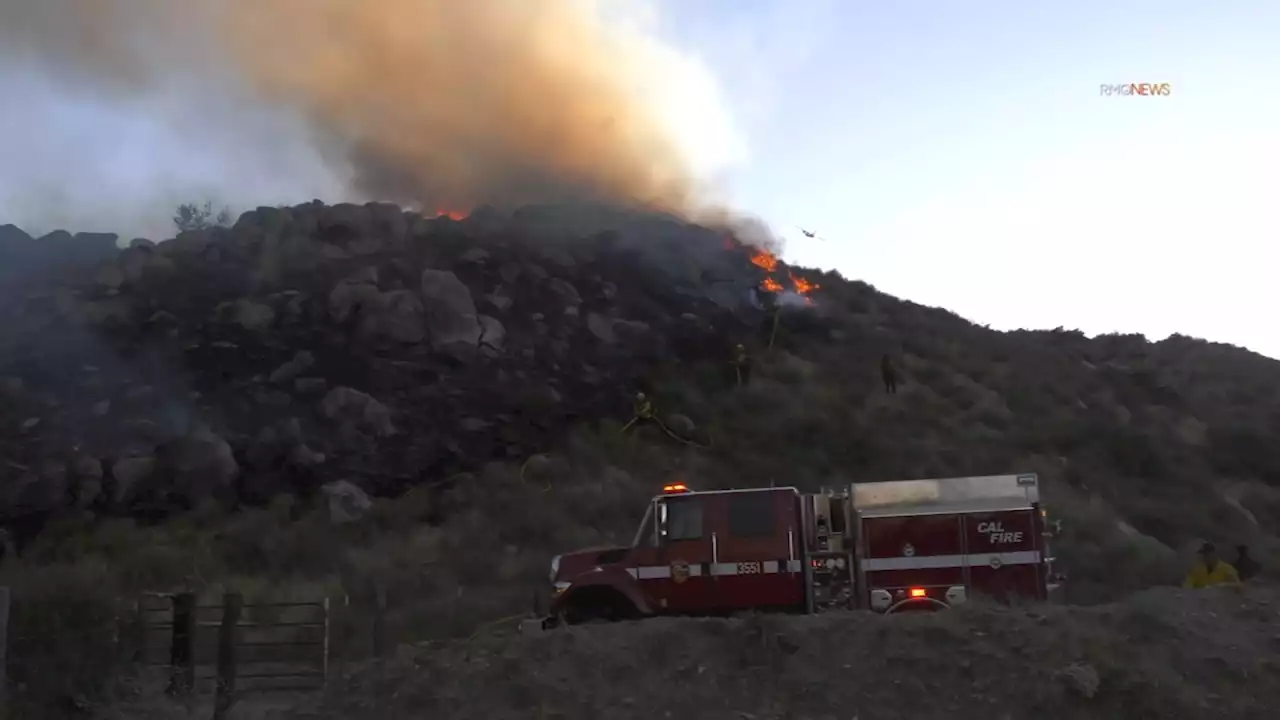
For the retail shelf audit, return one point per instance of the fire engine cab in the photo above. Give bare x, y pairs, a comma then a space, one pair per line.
882, 546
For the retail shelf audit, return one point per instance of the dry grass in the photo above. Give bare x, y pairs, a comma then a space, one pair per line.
1158, 654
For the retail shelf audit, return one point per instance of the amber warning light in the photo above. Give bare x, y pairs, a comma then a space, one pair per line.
917, 592
675, 488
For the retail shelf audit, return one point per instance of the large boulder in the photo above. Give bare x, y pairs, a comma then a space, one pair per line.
110, 276
249, 314
565, 290
492, 333
300, 363
347, 502
354, 293
451, 310
601, 327
398, 315
131, 476
348, 226
12, 238
44, 490
140, 262
190, 243
108, 312
95, 247
198, 465
86, 475
388, 225
263, 223
350, 407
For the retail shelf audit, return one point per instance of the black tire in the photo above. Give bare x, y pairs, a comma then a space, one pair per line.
598, 606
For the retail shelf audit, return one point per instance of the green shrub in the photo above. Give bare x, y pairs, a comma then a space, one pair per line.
69, 644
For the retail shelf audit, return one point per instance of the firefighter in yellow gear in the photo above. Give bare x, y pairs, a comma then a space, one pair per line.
642, 408
1209, 570
642, 411
742, 364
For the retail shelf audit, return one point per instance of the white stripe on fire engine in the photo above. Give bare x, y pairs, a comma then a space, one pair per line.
767, 567
1024, 557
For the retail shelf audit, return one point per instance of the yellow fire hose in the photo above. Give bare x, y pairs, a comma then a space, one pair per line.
665, 429
777, 317
525, 467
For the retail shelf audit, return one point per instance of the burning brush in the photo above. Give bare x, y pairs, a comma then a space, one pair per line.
799, 293
800, 287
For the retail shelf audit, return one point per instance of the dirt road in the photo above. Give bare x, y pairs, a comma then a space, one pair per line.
1160, 654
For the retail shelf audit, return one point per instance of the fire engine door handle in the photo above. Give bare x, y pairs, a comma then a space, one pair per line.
715, 550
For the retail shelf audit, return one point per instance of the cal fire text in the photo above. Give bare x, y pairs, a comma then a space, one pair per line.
997, 535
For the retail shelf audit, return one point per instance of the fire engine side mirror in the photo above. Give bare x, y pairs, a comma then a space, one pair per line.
658, 533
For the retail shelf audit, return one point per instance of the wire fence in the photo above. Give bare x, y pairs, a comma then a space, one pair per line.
229, 648
72, 648
268, 646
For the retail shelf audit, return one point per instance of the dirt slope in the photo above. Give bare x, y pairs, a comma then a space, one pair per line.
1160, 654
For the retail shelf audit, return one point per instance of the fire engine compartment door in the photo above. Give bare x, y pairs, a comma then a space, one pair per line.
758, 541
901, 552
674, 566
1004, 555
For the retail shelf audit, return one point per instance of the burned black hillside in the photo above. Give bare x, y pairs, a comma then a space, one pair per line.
360, 343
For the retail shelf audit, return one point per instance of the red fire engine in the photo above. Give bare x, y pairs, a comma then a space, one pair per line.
882, 546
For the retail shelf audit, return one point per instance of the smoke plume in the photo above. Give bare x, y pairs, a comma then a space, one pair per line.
136, 105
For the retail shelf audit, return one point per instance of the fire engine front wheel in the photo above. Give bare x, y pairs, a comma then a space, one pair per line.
598, 604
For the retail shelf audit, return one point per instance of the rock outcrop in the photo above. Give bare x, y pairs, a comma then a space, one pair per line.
347, 343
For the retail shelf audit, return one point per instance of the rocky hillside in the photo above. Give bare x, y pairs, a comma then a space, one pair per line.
170, 413
315, 344
358, 343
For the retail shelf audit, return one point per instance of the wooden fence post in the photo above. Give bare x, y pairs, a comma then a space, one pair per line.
4, 643
138, 631
232, 604
182, 655
324, 670
379, 621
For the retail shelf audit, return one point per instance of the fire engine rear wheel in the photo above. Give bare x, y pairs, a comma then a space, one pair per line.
597, 604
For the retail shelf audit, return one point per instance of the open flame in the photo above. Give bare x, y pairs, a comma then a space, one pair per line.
451, 214
768, 262
765, 260
802, 286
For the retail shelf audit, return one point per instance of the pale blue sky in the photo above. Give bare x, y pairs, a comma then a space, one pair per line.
956, 154
960, 154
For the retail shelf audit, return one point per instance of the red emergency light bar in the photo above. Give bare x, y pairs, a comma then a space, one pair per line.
674, 488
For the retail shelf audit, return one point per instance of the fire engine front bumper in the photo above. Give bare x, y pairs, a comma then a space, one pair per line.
537, 626
556, 597
540, 622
